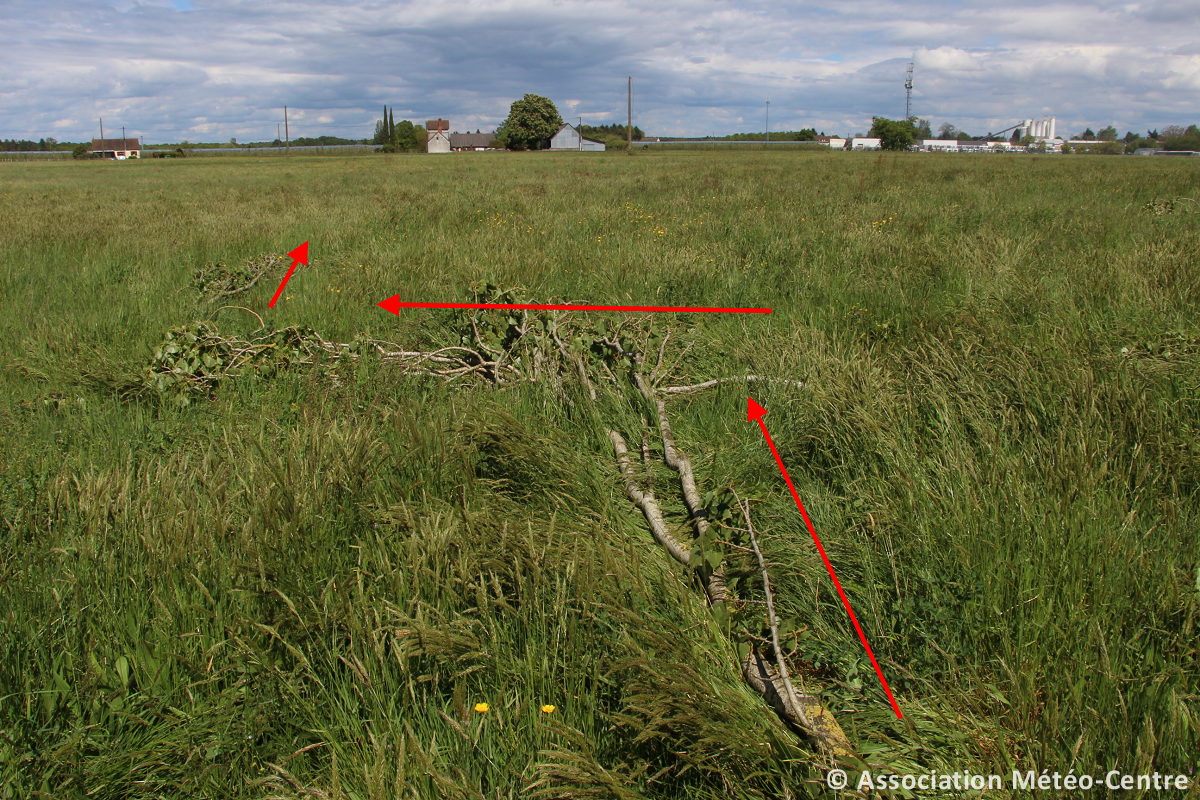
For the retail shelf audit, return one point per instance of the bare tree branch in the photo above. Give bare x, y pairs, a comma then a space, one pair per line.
697, 387
715, 586
803, 710
646, 502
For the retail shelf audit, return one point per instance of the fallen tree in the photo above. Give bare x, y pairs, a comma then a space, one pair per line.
501, 347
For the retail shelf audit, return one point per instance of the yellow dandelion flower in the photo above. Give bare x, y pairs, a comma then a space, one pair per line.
547, 709
482, 708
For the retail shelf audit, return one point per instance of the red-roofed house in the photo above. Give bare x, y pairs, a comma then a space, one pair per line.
120, 149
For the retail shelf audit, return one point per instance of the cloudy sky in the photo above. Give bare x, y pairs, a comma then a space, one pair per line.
209, 70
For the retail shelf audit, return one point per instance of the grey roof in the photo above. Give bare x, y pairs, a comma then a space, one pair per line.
471, 139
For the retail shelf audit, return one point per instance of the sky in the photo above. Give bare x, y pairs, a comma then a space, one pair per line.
212, 70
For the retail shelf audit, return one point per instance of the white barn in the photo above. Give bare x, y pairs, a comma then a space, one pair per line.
864, 143
568, 138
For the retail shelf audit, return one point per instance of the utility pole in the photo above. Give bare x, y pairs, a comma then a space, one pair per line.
629, 125
580, 132
102, 133
286, 136
278, 134
122, 137
768, 119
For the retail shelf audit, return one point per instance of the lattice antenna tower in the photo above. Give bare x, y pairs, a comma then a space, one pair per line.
908, 92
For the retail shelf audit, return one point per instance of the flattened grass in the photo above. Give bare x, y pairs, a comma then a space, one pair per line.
310, 581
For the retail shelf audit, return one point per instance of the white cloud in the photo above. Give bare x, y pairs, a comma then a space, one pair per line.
179, 69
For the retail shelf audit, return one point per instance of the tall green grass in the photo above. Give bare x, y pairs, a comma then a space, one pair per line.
310, 581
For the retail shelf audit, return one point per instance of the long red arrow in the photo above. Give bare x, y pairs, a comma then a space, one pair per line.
754, 414
394, 305
299, 256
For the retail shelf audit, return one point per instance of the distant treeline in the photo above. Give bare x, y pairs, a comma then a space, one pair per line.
603, 131
26, 146
804, 135
320, 141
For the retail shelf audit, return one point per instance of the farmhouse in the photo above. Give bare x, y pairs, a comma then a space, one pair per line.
438, 140
568, 138
119, 149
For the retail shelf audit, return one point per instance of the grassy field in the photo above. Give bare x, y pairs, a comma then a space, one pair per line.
304, 580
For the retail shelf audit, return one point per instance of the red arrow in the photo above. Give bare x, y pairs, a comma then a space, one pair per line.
299, 256
394, 305
754, 414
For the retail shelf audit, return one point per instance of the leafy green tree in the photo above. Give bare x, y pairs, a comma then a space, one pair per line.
382, 135
385, 131
530, 121
602, 132
1139, 142
922, 128
1175, 137
1101, 148
401, 137
405, 136
1108, 134
947, 131
893, 134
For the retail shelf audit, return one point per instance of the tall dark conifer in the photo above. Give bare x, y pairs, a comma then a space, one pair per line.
392, 131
